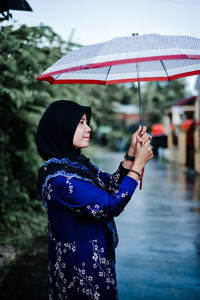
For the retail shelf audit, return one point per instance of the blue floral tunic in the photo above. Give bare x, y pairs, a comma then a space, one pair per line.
79, 264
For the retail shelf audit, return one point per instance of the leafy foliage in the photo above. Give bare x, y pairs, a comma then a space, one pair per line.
22, 100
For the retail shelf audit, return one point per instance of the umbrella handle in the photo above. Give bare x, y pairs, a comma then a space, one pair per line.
141, 178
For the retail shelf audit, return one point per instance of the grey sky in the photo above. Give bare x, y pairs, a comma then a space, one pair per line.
97, 21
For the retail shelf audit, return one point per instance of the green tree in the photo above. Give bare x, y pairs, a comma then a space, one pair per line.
24, 53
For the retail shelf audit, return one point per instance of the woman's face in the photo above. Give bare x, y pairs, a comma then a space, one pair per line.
82, 133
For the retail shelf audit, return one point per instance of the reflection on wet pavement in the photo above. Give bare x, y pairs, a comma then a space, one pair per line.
158, 256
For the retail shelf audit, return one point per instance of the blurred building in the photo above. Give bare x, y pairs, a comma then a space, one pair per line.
181, 121
197, 128
130, 117
128, 113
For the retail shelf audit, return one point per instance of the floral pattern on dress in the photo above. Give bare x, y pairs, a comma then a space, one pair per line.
48, 191
95, 211
83, 280
114, 179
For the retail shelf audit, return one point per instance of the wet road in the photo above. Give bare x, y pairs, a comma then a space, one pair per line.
158, 256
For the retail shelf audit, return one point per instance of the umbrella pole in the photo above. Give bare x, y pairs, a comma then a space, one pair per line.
141, 122
140, 108
139, 92
140, 104
141, 115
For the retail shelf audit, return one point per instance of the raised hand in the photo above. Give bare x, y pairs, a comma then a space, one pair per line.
143, 153
143, 137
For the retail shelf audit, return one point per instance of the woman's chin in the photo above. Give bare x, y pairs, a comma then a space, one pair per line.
86, 144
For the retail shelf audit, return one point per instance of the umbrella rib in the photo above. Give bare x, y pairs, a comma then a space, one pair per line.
165, 70
56, 78
108, 74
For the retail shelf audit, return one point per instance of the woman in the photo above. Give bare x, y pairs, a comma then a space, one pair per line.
81, 201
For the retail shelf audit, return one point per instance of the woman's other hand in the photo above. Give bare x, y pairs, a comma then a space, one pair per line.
140, 134
143, 153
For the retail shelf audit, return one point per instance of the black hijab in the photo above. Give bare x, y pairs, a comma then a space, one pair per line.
54, 141
56, 129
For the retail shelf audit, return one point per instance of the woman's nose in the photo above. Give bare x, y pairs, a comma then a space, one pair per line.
88, 128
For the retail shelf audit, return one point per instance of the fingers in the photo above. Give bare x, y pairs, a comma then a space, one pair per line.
148, 148
145, 138
141, 130
144, 129
138, 131
138, 143
147, 144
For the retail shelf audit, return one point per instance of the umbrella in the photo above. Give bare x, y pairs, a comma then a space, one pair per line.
149, 57
126, 50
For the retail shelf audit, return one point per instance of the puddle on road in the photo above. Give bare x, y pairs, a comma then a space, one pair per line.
158, 256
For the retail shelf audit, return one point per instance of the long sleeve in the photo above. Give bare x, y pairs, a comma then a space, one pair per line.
86, 198
112, 181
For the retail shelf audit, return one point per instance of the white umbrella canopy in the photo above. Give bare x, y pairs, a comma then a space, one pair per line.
149, 57
132, 72
125, 59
